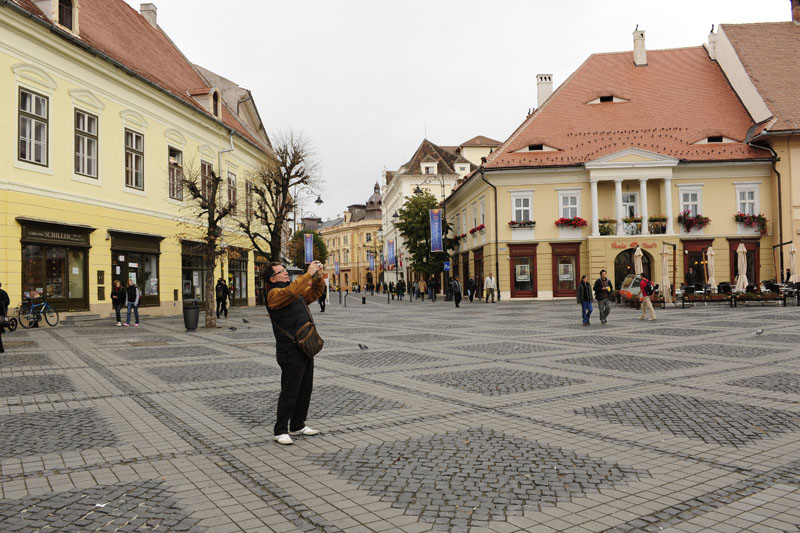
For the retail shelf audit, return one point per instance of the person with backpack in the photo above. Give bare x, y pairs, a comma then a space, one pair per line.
222, 292
584, 296
647, 289
132, 295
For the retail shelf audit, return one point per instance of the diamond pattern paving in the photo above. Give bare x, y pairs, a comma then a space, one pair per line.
680, 332
139, 506
498, 381
137, 354
724, 350
631, 363
595, 339
24, 385
472, 476
507, 348
327, 401
212, 372
779, 381
24, 359
420, 338
712, 421
370, 359
54, 432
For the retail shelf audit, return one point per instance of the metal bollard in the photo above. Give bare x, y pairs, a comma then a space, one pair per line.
363, 300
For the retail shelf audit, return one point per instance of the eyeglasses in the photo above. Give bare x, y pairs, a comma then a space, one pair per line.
281, 271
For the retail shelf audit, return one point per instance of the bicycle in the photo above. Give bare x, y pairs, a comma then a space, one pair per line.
30, 313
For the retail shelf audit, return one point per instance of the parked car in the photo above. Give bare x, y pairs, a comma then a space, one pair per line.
630, 289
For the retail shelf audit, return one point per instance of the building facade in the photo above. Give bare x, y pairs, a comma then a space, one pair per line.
631, 152
108, 117
354, 244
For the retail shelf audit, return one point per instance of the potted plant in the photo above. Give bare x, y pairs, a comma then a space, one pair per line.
608, 226
690, 222
574, 222
753, 222
632, 225
521, 223
657, 224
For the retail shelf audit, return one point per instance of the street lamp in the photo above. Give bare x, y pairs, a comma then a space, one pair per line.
448, 291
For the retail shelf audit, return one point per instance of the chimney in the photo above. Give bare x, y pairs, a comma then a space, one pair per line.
544, 87
639, 51
796, 11
148, 11
711, 47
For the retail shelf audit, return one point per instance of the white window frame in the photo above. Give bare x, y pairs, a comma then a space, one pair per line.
474, 215
135, 153
745, 188
691, 189
33, 119
483, 210
521, 195
635, 204
569, 193
232, 196
84, 138
175, 173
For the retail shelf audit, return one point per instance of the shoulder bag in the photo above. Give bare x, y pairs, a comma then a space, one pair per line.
306, 339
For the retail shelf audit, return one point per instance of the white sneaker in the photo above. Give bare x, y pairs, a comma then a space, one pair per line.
306, 431
284, 439
119, 323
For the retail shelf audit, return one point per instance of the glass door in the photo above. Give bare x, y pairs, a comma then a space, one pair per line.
523, 271
566, 267
76, 273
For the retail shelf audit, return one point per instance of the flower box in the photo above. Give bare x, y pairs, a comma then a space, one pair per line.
750, 224
574, 222
477, 229
515, 224
692, 224
607, 226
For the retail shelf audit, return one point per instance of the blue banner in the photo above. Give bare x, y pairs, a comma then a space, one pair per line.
336, 267
436, 230
309, 238
372, 262
390, 246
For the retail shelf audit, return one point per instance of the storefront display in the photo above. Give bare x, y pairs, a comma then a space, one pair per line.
55, 263
193, 271
237, 276
135, 256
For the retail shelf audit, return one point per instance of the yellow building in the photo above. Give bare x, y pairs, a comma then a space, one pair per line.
105, 117
351, 240
629, 152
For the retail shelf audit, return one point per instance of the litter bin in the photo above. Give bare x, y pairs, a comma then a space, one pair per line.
191, 314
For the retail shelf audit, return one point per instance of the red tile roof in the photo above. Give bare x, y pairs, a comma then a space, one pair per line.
769, 52
429, 152
480, 140
679, 98
117, 30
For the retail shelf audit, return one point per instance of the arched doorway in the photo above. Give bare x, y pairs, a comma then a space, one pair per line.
623, 265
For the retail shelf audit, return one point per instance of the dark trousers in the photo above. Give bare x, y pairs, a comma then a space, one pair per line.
118, 310
586, 311
457, 298
222, 307
471, 294
297, 377
322, 304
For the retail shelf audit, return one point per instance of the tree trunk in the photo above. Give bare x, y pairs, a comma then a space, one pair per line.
210, 304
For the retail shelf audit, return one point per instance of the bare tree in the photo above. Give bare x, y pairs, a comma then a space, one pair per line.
204, 188
274, 193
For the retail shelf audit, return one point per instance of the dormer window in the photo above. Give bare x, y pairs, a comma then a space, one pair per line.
607, 99
215, 103
429, 168
537, 147
65, 13
715, 139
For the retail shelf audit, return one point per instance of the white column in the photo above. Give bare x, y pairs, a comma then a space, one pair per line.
595, 216
668, 204
643, 201
618, 205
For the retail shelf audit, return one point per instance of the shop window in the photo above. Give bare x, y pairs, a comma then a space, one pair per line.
134, 159
85, 144
175, 174
33, 127
33, 271
142, 268
193, 272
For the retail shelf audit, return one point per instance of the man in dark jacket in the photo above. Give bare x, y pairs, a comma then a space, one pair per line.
471, 288
456, 286
585, 299
222, 292
5, 303
287, 307
602, 292
322, 298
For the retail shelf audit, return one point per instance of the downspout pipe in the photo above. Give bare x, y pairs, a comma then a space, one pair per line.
482, 170
775, 159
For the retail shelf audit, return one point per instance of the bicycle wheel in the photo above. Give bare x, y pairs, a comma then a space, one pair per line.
50, 316
12, 323
25, 317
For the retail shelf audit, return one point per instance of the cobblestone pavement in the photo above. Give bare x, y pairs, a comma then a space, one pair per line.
492, 417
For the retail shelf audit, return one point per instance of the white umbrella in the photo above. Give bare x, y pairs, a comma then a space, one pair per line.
710, 257
665, 286
637, 261
741, 279
793, 278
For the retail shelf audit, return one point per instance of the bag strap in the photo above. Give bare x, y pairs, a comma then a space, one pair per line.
302, 299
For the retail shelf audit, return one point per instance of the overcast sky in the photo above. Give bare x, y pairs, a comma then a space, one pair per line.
367, 80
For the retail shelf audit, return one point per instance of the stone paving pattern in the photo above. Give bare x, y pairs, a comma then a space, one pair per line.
492, 417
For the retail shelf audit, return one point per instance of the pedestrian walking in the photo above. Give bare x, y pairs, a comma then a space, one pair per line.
132, 297
646, 289
401, 289
423, 288
471, 288
456, 286
584, 295
287, 305
5, 305
322, 298
222, 292
602, 293
488, 287
391, 289
118, 299
433, 285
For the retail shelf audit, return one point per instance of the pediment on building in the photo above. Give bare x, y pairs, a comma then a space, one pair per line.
633, 157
